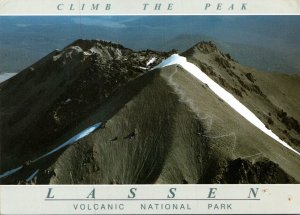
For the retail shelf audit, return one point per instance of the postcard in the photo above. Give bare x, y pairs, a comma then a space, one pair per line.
149, 107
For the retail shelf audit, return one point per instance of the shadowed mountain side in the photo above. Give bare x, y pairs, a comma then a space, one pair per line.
102, 113
47, 103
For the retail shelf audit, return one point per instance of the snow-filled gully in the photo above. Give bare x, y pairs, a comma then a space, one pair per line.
75, 138
223, 94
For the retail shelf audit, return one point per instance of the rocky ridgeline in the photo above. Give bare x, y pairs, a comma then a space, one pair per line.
105, 68
72, 82
239, 85
108, 52
206, 47
242, 83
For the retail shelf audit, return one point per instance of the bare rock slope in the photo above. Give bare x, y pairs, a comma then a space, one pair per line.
158, 126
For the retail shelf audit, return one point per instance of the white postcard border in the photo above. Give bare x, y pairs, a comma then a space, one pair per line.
149, 7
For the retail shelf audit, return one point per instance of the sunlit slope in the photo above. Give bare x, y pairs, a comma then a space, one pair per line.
182, 134
273, 98
228, 132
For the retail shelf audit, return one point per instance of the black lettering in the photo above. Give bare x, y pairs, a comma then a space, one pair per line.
207, 6
157, 6
170, 6
95, 6
253, 192
60, 7
145, 6
75, 206
172, 193
92, 194
82, 207
244, 6
72, 7
212, 192
49, 193
108, 6
132, 192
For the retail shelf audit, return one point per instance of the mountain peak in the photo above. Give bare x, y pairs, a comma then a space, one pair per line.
88, 44
206, 47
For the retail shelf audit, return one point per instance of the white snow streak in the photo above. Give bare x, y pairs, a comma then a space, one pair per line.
30, 178
152, 60
77, 137
6, 76
67, 101
10, 172
223, 94
143, 68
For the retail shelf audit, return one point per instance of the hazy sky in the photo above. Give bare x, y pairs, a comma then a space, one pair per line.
29, 38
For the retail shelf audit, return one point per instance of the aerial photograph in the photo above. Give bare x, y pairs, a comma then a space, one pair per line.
149, 100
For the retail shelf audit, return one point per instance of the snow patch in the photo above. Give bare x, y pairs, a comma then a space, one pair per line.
152, 60
32, 176
68, 53
6, 76
173, 59
88, 53
118, 53
223, 94
143, 68
95, 50
67, 101
56, 57
75, 49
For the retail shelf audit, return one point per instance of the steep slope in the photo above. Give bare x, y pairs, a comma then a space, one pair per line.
182, 134
228, 131
273, 98
155, 126
52, 97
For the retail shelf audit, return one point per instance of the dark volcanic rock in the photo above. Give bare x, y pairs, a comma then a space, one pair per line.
57, 93
207, 47
250, 77
222, 62
290, 122
240, 171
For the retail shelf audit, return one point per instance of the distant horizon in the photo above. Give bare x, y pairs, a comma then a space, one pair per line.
267, 43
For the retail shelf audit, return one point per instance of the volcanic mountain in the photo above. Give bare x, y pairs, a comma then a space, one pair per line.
99, 113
